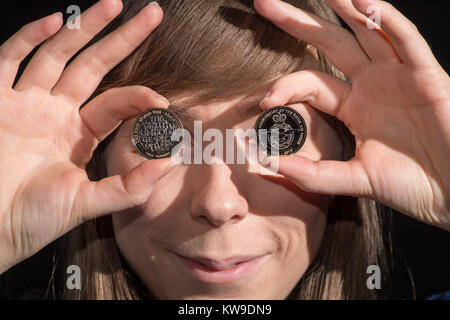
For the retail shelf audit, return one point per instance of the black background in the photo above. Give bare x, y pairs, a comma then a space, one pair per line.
423, 252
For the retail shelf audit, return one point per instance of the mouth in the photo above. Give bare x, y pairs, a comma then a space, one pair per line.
223, 271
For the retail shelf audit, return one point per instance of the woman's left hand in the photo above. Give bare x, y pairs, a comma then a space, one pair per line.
397, 107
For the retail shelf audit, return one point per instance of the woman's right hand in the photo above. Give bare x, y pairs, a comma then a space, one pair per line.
46, 141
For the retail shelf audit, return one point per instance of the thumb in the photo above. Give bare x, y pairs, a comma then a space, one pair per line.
325, 177
120, 192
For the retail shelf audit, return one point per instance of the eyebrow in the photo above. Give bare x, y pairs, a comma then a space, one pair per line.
243, 109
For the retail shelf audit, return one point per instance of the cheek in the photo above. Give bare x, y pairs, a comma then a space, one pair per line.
130, 225
280, 216
300, 236
296, 218
301, 242
120, 157
167, 202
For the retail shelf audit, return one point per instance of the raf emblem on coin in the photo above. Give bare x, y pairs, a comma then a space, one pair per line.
152, 133
280, 131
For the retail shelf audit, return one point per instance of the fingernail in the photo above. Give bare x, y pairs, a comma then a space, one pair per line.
265, 161
154, 2
266, 97
165, 100
160, 98
262, 101
58, 14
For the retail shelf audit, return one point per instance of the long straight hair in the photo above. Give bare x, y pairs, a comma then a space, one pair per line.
217, 50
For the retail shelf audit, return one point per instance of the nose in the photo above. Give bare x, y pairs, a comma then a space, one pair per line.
216, 199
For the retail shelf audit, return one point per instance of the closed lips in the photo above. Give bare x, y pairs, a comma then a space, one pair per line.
222, 264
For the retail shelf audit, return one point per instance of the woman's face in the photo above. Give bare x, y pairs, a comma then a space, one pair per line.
214, 213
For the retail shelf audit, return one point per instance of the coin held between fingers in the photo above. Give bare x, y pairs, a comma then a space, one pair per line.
152, 133
280, 131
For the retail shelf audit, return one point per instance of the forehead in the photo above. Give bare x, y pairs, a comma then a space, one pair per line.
217, 110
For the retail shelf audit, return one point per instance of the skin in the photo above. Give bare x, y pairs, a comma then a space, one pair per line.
251, 215
397, 107
45, 189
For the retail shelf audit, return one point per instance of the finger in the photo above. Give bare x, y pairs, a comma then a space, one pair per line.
103, 114
15, 50
120, 192
405, 37
84, 74
374, 41
338, 44
325, 177
49, 61
321, 90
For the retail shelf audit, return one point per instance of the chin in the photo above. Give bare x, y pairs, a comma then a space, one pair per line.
241, 295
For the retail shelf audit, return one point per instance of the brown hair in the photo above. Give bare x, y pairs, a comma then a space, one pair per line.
217, 50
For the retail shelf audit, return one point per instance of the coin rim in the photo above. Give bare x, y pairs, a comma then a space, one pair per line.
142, 115
275, 108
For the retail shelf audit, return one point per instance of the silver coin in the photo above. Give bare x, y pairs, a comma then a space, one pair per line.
281, 131
152, 133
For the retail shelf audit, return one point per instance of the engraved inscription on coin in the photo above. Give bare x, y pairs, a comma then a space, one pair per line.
280, 130
152, 133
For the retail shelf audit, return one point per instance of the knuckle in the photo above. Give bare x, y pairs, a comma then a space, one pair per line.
287, 80
414, 29
387, 5
141, 90
52, 51
135, 95
93, 63
26, 28
134, 197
